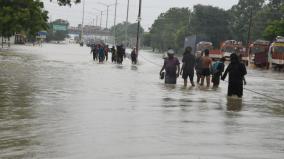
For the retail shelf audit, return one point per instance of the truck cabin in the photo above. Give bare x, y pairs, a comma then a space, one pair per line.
203, 45
277, 55
231, 46
259, 53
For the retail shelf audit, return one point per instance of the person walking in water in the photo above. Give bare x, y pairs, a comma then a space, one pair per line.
134, 56
106, 49
237, 72
94, 52
101, 54
120, 54
206, 65
198, 66
217, 70
187, 70
172, 67
113, 54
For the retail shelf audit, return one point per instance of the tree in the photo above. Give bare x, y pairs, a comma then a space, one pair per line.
147, 39
26, 16
131, 32
211, 22
274, 29
240, 16
169, 29
273, 11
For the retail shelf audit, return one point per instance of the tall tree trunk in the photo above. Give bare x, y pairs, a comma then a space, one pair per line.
9, 42
2, 41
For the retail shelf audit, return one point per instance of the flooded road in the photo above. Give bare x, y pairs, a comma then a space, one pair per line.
55, 102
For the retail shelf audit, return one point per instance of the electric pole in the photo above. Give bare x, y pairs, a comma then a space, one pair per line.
126, 24
97, 17
115, 22
82, 27
249, 32
138, 27
101, 20
107, 5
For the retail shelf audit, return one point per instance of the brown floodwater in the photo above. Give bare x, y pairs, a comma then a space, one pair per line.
55, 102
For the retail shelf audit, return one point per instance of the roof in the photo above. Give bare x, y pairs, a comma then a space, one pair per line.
261, 42
278, 44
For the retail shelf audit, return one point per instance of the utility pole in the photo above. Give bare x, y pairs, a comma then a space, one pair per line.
101, 20
249, 32
126, 23
107, 5
97, 17
138, 27
115, 22
82, 27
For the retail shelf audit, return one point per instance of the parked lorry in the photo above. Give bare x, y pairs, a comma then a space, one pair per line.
258, 51
215, 54
229, 47
276, 53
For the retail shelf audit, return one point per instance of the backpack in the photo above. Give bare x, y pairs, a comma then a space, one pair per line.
215, 66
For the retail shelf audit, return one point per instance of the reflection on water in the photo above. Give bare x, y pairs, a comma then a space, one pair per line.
234, 104
55, 102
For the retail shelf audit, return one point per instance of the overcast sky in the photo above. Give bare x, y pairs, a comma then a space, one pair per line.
151, 9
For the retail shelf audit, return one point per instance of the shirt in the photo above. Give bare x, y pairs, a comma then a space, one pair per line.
171, 66
189, 62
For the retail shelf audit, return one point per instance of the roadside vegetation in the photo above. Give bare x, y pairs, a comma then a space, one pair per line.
218, 25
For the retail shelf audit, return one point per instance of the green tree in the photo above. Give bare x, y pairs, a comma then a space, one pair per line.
131, 32
274, 29
240, 15
273, 11
26, 16
211, 22
170, 29
147, 39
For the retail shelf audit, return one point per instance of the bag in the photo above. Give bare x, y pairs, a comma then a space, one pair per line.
215, 66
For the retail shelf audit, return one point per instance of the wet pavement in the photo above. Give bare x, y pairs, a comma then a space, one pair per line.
55, 102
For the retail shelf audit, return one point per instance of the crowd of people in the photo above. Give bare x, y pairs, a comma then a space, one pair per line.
205, 69
202, 65
101, 53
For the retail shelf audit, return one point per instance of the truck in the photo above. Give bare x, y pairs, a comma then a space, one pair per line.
203, 45
215, 54
258, 52
276, 53
229, 47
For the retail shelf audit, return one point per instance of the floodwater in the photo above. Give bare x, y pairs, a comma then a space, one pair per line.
56, 103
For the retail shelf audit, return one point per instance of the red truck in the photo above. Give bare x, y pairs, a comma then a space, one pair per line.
213, 53
232, 46
276, 53
258, 51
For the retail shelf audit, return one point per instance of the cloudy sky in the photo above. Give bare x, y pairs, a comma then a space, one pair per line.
150, 10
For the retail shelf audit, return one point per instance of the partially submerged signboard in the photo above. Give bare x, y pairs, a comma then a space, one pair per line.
41, 35
57, 27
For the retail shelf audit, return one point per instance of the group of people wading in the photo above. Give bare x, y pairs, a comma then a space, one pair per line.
204, 67
100, 53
